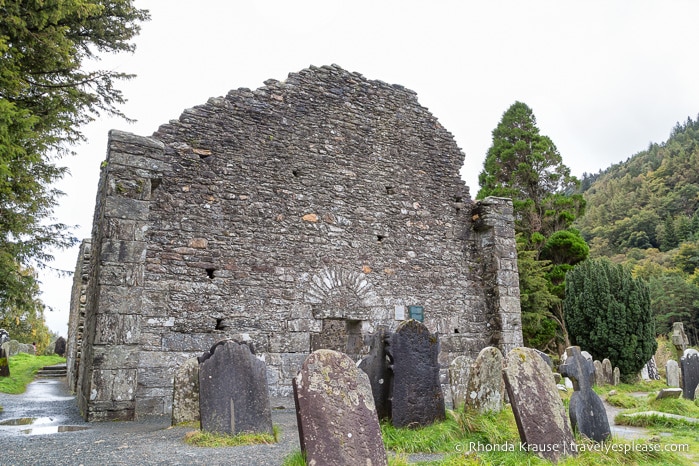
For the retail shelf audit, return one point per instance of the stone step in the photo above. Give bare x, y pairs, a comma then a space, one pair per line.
59, 370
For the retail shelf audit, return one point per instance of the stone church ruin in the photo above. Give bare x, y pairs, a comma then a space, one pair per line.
307, 214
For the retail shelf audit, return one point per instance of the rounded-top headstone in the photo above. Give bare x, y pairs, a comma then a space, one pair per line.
418, 399
485, 385
233, 393
335, 412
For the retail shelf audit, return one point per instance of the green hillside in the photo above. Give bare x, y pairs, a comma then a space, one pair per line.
644, 213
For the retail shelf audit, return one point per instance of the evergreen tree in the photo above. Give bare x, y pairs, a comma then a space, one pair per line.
46, 95
525, 166
608, 313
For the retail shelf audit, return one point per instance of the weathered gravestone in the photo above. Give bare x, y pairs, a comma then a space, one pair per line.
547, 359
679, 338
60, 346
185, 398
672, 373
335, 412
652, 369
599, 372
616, 376
587, 411
4, 364
669, 393
233, 395
459, 371
541, 418
418, 399
690, 372
11, 348
607, 372
485, 385
376, 366
417, 395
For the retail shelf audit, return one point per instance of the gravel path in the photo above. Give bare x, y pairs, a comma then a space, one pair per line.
149, 441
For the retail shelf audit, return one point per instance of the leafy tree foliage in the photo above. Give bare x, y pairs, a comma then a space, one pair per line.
525, 166
46, 95
608, 313
649, 201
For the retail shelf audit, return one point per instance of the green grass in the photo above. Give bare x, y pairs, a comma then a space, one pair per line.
23, 367
201, 438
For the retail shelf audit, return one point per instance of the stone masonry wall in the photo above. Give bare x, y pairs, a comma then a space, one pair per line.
76, 321
305, 214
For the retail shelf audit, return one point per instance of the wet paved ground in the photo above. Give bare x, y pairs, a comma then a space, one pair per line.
43, 426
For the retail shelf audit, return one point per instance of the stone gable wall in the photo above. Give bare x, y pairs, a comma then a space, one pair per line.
302, 215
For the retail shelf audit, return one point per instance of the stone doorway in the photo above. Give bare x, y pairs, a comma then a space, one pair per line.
340, 335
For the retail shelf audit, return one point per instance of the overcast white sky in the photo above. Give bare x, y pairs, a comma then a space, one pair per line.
604, 78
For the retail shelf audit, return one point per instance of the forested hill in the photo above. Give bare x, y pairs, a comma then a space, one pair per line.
644, 213
648, 201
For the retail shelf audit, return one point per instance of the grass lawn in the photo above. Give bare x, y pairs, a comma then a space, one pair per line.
23, 367
471, 439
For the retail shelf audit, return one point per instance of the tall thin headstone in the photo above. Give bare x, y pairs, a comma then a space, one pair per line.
587, 411
335, 412
417, 394
679, 338
377, 368
672, 373
459, 371
233, 395
185, 397
541, 418
607, 372
485, 385
4, 363
599, 372
690, 372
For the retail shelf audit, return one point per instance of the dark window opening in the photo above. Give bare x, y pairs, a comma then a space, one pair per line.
154, 184
210, 272
458, 198
390, 190
456, 330
380, 238
220, 325
296, 173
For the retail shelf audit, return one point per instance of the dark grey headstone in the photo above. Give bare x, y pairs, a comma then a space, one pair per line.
417, 394
690, 373
587, 411
4, 364
543, 425
485, 385
376, 366
60, 347
672, 373
233, 394
335, 412
545, 357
